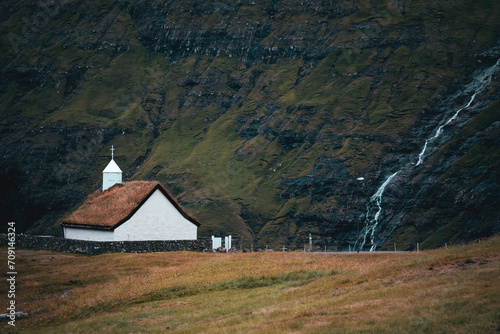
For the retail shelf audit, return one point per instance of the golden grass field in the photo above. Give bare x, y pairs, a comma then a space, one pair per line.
454, 290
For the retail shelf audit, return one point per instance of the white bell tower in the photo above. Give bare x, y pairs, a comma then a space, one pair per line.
112, 174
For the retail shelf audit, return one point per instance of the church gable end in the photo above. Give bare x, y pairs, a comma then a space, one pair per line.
168, 197
157, 218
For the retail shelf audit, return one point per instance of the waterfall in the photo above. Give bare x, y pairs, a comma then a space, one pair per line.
371, 220
478, 85
440, 130
374, 207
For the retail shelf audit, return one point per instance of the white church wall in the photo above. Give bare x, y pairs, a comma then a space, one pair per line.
87, 234
157, 219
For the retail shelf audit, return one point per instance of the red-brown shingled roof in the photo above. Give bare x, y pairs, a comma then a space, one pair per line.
114, 206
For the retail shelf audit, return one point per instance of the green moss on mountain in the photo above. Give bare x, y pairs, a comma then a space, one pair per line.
259, 117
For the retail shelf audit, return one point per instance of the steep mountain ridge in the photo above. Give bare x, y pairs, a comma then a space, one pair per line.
260, 118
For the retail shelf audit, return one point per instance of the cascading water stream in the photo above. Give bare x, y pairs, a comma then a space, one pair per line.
374, 206
371, 221
440, 130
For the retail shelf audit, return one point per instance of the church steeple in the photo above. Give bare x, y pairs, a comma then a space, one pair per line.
112, 174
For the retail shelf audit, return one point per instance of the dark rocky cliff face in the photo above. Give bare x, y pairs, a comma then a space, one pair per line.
261, 118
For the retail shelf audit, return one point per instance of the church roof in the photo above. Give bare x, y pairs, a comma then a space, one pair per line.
110, 208
112, 167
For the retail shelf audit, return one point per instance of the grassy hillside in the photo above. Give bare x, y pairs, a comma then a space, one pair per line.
453, 290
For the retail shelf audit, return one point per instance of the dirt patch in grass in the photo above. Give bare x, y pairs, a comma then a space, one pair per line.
449, 269
175, 304
141, 308
107, 328
293, 288
155, 320
267, 309
465, 264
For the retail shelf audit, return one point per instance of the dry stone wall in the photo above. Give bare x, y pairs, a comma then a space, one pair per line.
40, 242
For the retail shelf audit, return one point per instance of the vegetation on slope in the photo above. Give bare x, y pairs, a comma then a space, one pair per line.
446, 290
258, 117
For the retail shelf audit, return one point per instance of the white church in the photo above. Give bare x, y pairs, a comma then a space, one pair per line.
129, 211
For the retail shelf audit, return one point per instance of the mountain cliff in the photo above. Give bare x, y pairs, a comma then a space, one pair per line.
270, 120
